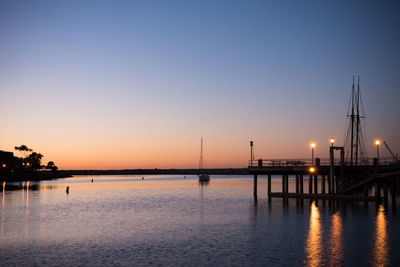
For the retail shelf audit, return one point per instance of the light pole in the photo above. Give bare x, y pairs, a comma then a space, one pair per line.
312, 153
377, 143
251, 153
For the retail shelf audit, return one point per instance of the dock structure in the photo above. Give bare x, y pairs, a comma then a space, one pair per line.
333, 179
348, 176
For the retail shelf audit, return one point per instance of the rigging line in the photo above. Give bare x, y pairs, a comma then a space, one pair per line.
348, 107
392, 139
364, 115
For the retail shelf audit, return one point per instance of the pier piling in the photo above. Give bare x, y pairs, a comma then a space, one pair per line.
287, 184
301, 183
269, 185
316, 184
283, 183
385, 194
377, 191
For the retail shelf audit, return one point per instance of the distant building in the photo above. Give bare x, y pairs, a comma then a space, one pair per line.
7, 162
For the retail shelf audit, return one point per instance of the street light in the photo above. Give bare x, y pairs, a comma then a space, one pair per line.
312, 153
332, 141
311, 169
377, 143
4, 165
251, 153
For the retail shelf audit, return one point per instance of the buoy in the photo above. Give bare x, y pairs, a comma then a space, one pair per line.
67, 190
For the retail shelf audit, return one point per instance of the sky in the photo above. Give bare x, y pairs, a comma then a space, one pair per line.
136, 84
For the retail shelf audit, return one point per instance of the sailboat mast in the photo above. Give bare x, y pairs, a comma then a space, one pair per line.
357, 118
352, 124
201, 155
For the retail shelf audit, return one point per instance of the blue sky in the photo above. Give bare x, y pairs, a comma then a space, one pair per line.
121, 84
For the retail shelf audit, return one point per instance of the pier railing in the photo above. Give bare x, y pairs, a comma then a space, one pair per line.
322, 162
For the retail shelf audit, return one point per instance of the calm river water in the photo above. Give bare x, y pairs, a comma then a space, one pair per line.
172, 220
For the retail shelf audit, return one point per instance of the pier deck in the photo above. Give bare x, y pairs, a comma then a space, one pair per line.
326, 180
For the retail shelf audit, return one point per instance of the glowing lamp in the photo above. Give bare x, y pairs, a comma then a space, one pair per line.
312, 145
332, 141
312, 169
4, 165
377, 142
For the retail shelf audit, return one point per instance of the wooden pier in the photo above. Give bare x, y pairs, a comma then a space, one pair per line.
330, 179
338, 178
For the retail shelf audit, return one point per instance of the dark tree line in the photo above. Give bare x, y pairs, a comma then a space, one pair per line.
32, 160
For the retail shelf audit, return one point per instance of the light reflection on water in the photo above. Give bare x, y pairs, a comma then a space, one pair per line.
168, 220
336, 240
26, 220
314, 246
381, 243
3, 208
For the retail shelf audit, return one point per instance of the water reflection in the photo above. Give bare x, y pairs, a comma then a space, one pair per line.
218, 219
204, 183
12, 186
2, 209
26, 222
336, 241
4, 189
381, 250
313, 243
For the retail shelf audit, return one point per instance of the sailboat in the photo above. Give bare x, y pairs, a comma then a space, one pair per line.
203, 176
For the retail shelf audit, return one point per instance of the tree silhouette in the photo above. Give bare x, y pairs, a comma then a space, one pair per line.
34, 160
51, 166
23, 149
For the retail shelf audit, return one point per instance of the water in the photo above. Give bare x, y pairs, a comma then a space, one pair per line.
170, 221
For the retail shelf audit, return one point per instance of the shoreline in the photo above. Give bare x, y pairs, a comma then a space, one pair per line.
42, 175
219, 171
35, 176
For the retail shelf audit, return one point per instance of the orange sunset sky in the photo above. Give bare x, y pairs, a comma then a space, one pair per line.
136, 85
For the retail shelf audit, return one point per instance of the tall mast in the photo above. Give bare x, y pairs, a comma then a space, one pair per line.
357, 118
352, 124
201, 155
354, 143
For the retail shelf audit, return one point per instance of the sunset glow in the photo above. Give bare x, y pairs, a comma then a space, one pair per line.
137, 85
199, 133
